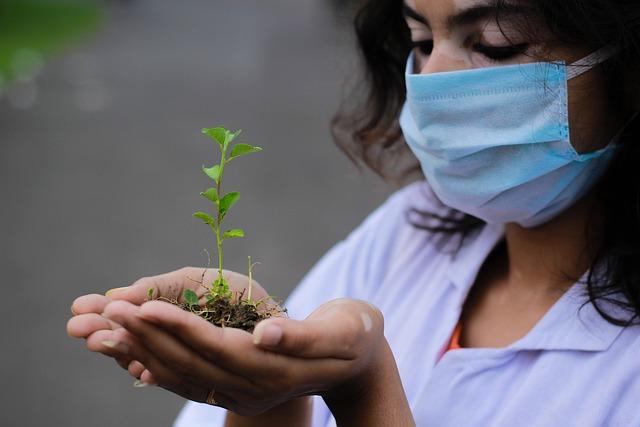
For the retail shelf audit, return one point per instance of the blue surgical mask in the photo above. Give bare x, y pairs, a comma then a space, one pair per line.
495, 142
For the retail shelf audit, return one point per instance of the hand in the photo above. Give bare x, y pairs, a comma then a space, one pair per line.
88, 322
338, 352
325, 354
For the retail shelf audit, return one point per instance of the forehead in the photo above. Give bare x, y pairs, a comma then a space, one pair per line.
449, 14
446, 7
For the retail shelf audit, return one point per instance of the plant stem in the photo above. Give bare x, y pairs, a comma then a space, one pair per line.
219, 243
250, 283
219, 218
216, 231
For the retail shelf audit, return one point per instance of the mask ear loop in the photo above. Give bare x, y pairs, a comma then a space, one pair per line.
585, 64
622, 130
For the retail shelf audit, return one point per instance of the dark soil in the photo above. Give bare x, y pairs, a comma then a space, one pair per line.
235, 313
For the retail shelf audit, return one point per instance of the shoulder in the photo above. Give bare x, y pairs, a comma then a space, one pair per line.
356, 265
390, 229
395, 213
619, 375
627, 347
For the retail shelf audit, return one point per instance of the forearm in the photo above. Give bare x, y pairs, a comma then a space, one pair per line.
296, 412
375, 399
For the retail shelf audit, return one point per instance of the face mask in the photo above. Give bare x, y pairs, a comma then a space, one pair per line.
494, 142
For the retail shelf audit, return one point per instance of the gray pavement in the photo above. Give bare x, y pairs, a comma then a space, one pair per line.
99, 175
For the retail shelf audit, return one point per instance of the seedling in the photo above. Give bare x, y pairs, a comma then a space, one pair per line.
224, 307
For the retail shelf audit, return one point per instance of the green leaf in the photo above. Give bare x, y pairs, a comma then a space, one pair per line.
222, 136
226, 202
211, 194
221, 288
230, 137
218, 134
234, 232
243, 149
204, 217
190, 297
213, 172
220, 282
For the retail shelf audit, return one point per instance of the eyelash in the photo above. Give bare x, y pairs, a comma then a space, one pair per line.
495, 53
425, 46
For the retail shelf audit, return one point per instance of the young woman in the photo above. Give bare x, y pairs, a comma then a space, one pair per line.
508, 281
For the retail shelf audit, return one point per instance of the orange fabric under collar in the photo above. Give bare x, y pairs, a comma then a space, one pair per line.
454, 343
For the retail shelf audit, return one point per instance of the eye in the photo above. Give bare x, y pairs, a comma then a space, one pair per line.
424, 46
500, 53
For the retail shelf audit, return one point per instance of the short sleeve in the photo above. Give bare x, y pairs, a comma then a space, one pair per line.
352, 268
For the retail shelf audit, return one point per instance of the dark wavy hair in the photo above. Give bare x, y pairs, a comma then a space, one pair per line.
367, 129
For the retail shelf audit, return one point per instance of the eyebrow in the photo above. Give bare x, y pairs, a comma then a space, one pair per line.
472, 14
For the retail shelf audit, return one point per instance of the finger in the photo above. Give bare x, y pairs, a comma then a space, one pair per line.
92, 303
262, 369
127, 350
221, 345
169, 285
95, 342
173, 352
335, 330
172, 285
123, 362
99, 342
135, 369
124, 347
83, 325
155, 372
146, 377
282, 376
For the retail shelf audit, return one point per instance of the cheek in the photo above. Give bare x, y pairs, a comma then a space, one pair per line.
592, 122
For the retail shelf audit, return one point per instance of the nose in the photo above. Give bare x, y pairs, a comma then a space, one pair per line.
443, 59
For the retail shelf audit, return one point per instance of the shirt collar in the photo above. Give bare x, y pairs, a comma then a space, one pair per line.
465, 263
565, 326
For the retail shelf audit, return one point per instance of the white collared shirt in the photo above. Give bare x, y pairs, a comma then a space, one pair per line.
572, 369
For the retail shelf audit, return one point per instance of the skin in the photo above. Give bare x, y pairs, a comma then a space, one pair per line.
352, 363
338, 351
526, 275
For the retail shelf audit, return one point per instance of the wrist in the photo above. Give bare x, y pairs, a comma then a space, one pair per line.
297, 412
374, 397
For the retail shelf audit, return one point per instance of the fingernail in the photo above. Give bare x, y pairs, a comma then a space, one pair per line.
121, 347
111, 291
73, 312
140, 384
267, 335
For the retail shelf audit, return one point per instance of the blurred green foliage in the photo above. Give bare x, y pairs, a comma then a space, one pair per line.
40, 28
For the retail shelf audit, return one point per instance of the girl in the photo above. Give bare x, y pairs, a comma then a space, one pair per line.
509, 280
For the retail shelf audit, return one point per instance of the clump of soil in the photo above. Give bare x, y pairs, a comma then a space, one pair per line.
235, 312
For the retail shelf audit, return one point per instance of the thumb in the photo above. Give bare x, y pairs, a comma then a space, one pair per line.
167, 285
293, 337
135, 294
337, 329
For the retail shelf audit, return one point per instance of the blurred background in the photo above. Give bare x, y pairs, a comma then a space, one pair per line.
101, 106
